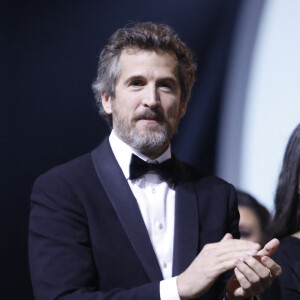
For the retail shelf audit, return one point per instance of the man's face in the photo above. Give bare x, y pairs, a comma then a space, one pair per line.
146, 108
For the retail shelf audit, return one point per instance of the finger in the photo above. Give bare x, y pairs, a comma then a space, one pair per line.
227, 236
275, 269
225, 253
245, 285
270, 248
238, 247
252, 277
228, 244
260, 269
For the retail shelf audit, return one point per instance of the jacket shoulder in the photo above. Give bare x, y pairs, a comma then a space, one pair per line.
195, 174
71, 170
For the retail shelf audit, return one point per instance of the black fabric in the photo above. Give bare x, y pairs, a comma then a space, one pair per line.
166, 169
287, 286
88, 239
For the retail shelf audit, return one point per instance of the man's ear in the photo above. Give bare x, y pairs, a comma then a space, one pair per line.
106, 102
182, 108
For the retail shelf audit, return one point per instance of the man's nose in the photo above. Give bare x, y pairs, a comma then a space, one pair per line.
151, 97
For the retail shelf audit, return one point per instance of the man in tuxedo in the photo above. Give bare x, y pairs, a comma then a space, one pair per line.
129, 220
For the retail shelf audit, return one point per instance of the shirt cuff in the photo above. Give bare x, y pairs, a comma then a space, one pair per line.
168, 289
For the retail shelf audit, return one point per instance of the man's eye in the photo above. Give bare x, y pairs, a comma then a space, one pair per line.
166, 85
136, 83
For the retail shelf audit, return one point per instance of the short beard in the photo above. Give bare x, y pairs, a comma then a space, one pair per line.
150, 142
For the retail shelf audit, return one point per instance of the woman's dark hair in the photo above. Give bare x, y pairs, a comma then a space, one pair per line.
263, 215
286, 219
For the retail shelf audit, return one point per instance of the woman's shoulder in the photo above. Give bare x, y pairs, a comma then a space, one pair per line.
290, 244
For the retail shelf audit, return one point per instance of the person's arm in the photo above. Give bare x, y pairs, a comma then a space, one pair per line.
60, 252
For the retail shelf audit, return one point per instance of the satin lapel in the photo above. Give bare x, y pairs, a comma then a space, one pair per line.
186, 225
126, 207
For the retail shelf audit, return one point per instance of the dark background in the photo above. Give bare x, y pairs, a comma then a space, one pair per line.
48, 60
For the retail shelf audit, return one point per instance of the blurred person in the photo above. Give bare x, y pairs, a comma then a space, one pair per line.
286, 223
254, 218
129, 220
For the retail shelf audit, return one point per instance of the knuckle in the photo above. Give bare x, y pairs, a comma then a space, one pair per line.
222, 268
208, 250
206, 247
203, 249
247, 285
255, 279
265, 275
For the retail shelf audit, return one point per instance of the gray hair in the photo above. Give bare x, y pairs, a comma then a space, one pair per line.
144, 36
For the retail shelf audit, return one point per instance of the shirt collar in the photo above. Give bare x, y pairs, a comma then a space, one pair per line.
123, 153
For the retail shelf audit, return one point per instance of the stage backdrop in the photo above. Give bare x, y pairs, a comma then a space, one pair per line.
49, 52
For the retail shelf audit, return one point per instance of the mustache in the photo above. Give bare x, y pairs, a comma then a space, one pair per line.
149, 114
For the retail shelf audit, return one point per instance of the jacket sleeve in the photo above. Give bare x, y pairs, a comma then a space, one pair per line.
234, 216
60, 252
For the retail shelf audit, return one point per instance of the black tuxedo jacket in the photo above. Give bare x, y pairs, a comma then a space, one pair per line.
88, 241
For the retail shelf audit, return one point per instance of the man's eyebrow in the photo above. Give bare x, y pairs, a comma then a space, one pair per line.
168, 78
171, 79
134, 77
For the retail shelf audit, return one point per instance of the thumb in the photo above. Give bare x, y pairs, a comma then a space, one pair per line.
270, 248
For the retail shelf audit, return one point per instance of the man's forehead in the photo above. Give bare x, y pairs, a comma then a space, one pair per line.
137, 62
136, 51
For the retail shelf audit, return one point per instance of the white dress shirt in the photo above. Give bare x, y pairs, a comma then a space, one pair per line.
156, 200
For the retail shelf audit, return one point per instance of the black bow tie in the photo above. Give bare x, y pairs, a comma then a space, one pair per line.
166, 170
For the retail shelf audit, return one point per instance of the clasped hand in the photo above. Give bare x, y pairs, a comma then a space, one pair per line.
254, 270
